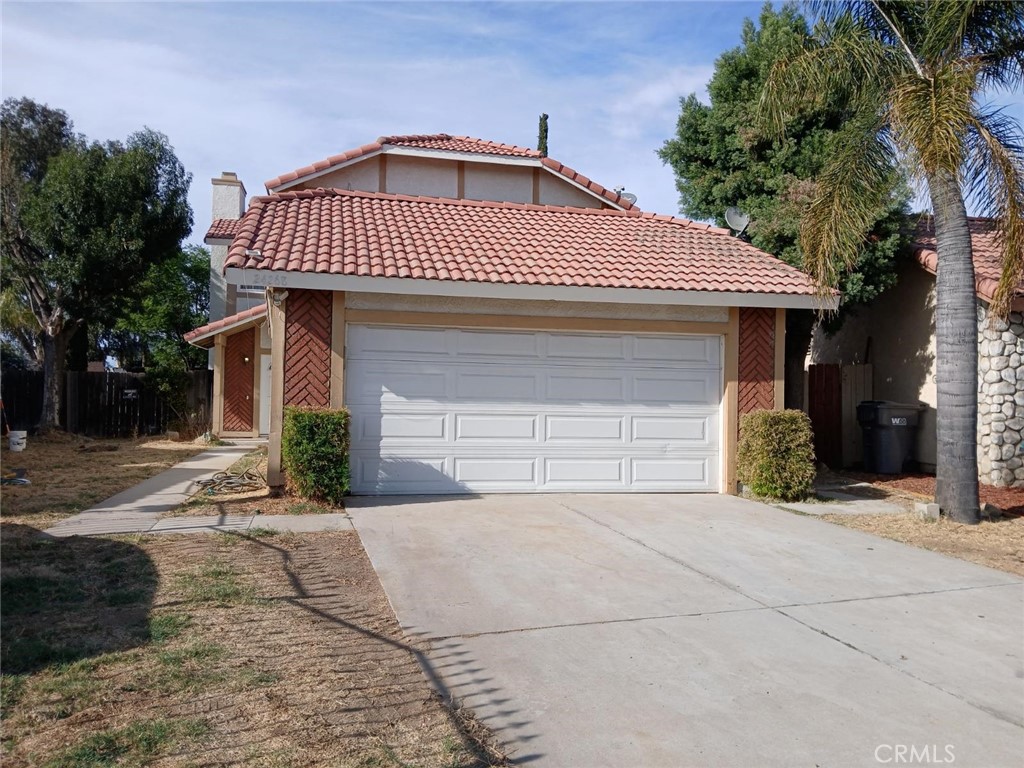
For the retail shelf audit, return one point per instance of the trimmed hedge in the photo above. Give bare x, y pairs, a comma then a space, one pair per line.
314, 453
776, 454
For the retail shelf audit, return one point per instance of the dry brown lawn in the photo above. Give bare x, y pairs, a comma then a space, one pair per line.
210, 650
997, 543
64, 480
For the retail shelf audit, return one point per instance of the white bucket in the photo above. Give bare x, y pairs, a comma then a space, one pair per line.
18, 439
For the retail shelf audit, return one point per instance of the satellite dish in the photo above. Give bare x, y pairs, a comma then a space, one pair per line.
629, 197
737, 220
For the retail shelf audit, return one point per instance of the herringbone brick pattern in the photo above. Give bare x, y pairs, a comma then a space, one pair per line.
307, 349
757, 359
238, 375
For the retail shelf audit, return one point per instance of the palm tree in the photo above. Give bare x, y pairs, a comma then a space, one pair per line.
914, 76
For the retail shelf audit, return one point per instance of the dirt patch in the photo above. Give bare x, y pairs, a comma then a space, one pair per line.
1009, 500
259, 650
258, 502
65, 480
997, 544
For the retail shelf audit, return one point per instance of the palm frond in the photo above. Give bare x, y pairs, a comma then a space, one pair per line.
930, 116
845, 62
994, 174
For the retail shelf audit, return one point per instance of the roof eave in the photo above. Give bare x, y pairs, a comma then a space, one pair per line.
456, 288
208, 333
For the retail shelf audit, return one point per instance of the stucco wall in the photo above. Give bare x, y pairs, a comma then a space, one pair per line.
554, 191
897, 336
406, 175
363, 176
511, 183
390, 302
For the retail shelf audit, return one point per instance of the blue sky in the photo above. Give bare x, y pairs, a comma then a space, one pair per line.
263, 88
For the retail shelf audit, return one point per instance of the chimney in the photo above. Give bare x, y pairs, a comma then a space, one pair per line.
228, 196
228, 203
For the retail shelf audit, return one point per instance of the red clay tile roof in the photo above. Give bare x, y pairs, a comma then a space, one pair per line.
223, 229
985, 247
368, 234
228, 322
445, 142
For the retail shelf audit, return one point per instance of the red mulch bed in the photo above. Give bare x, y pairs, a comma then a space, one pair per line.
1010, 500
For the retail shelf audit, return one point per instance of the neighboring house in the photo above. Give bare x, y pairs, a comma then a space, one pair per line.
896, 334
494, 321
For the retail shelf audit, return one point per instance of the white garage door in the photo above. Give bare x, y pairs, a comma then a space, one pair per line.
459, 411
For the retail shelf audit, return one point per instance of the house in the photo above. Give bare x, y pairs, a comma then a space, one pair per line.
494, 321
896, 334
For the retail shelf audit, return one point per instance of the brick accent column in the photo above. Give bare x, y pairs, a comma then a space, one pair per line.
307, 348
757, 359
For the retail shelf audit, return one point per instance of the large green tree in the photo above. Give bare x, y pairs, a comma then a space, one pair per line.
82, 224
722, 158
175, 298
915, 77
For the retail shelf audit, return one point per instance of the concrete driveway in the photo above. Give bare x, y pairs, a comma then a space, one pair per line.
664, 630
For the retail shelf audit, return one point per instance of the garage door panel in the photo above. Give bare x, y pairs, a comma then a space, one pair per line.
501, 384
699, 350
364, 339
379, 382
662, 429
690, 388
496, 470
584, 427
585, 471
492, 427
693, 471
405, 474
401, 426
572, 346
499, 344
495, 411
593, 388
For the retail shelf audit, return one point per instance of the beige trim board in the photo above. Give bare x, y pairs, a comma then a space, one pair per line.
730, 405
459, 320
338, 350
256, 365
409, 286
217, 416
276, 315
780, 359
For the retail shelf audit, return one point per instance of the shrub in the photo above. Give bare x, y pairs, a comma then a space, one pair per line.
776, 454
314, 453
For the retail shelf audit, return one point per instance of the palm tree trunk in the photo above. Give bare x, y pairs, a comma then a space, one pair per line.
956, 372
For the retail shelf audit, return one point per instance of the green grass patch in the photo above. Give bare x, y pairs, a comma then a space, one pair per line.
167, 626
215, 582
11, 688
134, 744
188, 669
261, 533
30, 593
309, 508
249, 461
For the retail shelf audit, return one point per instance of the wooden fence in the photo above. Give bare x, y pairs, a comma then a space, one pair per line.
102, 403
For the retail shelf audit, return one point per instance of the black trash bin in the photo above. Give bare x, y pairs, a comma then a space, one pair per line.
889, 430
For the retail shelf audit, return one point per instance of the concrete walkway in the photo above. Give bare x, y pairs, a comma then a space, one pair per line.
702, 630
138, 509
